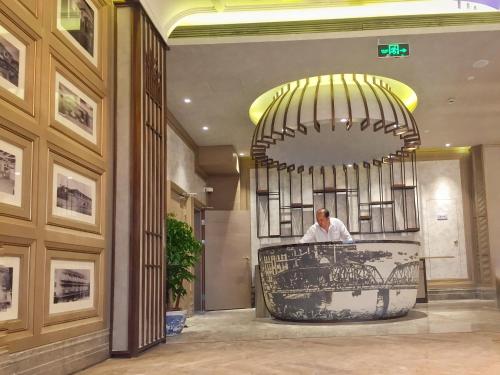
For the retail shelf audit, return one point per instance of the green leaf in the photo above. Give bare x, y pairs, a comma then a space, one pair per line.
183, 252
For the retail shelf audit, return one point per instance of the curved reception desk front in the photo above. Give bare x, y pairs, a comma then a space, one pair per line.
332, 281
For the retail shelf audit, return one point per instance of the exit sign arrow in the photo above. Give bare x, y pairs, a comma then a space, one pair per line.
394, 50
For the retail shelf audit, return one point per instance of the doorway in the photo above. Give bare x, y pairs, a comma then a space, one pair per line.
444, 248
228, 266
199, 282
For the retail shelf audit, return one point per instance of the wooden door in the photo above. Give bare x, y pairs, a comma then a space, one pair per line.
228, 275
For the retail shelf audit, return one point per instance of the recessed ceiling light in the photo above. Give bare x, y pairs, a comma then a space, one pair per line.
242, 154
343, 120
480, 64
187, 100
451, 100
471, 78
349, 165
205, 128
448, 145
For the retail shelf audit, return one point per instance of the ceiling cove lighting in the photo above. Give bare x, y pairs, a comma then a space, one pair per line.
337, 118
293, 10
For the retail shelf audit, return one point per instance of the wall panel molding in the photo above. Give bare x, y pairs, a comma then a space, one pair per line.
480, 219
25, 121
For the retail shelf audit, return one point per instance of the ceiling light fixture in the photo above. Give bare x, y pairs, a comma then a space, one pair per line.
242, 154
448, 144
451, 100
479, 64
297, 126
187, 100
205, 128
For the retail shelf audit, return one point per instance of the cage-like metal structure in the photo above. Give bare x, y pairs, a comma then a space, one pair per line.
344, 142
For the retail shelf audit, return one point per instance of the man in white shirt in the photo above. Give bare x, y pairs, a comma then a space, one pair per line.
326, 229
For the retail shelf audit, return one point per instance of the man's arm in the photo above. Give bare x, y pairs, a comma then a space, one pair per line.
344, 233
309, 236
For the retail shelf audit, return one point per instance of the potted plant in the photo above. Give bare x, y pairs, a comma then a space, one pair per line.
182, 253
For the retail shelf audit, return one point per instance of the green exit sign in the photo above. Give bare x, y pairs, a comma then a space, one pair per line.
394, 50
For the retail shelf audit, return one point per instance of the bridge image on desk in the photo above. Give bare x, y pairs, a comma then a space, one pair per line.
338, 282
343, 277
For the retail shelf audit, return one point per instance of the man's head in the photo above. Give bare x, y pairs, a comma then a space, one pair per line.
323, 218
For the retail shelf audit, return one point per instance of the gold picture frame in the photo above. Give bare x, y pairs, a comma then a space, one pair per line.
19, 52
16, 158
17, 257
74, 195
78, 24
82, 270
76, 110
32, 6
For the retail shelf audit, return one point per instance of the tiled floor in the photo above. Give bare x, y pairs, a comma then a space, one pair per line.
438, 338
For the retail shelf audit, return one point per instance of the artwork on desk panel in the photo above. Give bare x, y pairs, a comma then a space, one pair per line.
339, 282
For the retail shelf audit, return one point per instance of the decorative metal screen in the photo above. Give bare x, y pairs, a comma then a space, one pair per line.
150, 174
372, 197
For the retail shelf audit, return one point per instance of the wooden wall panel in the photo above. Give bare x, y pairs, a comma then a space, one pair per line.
140, 191
32, 230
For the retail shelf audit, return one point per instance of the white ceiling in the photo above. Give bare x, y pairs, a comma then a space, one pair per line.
167, 13
223, 80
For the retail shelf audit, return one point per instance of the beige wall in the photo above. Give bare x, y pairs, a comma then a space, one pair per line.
181, 167
182, 178
491, 157
231, 192
438, 181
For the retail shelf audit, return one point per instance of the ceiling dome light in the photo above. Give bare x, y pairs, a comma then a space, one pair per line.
479, 64
299, 122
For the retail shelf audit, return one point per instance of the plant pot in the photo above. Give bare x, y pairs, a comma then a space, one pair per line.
175, 321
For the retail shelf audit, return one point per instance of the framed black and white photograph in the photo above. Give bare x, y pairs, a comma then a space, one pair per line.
73, 196
71, 286
78, 20
75, 110
9, 288
12, 63
11, 166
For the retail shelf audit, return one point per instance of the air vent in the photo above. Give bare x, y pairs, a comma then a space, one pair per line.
329, 26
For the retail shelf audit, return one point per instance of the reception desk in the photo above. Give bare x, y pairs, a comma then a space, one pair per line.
332, 281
